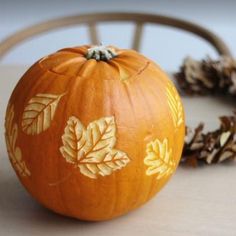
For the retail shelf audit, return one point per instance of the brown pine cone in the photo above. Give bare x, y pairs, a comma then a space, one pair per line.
208, 76
212, 147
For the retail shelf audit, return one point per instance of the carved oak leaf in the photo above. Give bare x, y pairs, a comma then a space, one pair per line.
11, 135
92, 149
39, 113
159, 159
175, 105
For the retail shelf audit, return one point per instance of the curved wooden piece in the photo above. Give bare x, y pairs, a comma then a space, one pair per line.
137, 36
91, 19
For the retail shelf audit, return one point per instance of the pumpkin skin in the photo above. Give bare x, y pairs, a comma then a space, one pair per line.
94, 139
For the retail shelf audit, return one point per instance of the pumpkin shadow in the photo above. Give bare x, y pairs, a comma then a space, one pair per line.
19, 208
17, 205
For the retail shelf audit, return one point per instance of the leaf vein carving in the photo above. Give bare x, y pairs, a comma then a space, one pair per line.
39, 113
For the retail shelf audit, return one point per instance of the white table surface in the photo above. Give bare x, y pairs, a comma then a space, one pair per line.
198, 201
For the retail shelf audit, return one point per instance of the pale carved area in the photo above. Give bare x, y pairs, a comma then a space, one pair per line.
92, 149
158, 153
159, 159
39, 113
14, 151
175, 105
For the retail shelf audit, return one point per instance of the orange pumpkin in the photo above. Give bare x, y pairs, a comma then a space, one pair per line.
94, 132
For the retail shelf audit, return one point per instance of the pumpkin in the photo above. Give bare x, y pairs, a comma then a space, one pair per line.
94, 132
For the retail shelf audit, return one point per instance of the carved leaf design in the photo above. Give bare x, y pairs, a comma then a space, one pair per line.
113, 160
92, 149
175, 105
159, 159
73, 139
39, 113
11, 135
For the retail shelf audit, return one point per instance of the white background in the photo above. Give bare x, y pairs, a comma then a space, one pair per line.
164, 45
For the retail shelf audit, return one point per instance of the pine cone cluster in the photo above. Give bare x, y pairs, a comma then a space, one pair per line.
208, 76
212, 147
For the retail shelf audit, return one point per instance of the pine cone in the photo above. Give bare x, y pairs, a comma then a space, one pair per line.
208, 76
212, 147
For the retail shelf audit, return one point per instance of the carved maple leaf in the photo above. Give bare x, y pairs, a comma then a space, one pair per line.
91, 149
159, 159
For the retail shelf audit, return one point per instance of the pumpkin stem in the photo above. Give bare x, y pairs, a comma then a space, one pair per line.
101, 53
